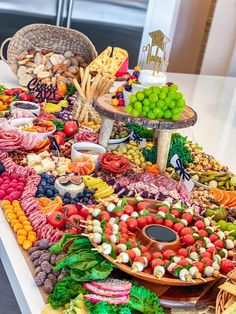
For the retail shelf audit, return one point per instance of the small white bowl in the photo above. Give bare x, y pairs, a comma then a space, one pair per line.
119, 140
36, 110
25, 121
75, 153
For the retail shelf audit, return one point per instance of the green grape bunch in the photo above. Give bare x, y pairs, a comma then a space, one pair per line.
156, 103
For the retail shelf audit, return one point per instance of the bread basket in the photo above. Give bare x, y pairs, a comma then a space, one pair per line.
47, 37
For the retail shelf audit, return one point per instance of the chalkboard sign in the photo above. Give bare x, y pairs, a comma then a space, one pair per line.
41, 90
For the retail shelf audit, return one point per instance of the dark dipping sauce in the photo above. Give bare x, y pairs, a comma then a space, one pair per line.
26, 106
160, 234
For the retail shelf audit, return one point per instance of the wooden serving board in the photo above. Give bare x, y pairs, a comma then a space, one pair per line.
104, 107
146, 275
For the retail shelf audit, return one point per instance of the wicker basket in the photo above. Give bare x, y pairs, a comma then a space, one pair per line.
224, 296
47, 37
221, 300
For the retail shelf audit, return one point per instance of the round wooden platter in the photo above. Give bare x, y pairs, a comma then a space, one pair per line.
104, 107
146, 275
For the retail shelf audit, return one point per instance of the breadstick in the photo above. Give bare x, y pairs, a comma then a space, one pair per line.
79, 88
88, 85
94, 86
84, 80
81, 72
102, 83
106, 88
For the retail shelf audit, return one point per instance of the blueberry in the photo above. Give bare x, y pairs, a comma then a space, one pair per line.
40, 195
50, 180
72, 202
87, 195
49, 193
86, 199
67, 195
43, 183
66, 200
80, 195
92, 192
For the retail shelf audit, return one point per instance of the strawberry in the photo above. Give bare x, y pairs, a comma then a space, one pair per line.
188, 217
157, 255
212, 250
175, 213
185, 230
163, 209
200, 266
143, 249
178, 226
188, 239
141, 206
199, 244
149, 219
219, 244
207, 261
158, 221
157, 262
183, 262
213, 237
206, 255
199, 224
142, 222
202, 233
226, 266
168, 253
168, 223
148, 256
183, 252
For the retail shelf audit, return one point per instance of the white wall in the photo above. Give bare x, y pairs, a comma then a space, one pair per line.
220, 53
188, 36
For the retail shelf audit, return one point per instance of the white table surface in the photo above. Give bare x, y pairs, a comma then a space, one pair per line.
213, 98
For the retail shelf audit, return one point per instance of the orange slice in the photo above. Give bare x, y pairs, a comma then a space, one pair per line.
44, 201
56, 204
217, 194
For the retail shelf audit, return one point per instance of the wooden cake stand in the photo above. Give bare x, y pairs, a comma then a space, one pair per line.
163, 127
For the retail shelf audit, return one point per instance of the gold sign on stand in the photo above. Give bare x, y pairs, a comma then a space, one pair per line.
158, 43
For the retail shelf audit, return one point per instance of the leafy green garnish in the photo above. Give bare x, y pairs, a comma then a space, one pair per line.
64, 290
144, 301
71, 89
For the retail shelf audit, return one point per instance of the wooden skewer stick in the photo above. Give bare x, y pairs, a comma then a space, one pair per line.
79, 88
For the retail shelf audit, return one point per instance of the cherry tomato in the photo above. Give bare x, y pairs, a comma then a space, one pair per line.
56, 219
104, 216
70, 210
